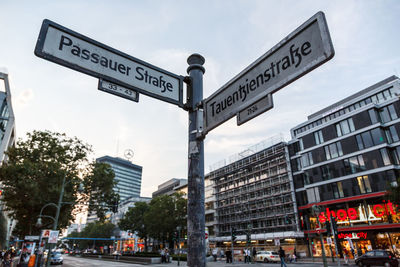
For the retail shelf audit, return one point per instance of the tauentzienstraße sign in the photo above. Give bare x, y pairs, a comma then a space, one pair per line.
73, 50
306, 48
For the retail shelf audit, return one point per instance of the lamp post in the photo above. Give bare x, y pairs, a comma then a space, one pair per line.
316, 209
55, 219
178, 228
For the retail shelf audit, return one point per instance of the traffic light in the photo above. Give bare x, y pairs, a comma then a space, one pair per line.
328, 228
233, 233
115, 206
248, 238
175, 236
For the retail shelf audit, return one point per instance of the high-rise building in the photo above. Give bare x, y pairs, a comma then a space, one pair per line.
127, 175
344, 158
7, 135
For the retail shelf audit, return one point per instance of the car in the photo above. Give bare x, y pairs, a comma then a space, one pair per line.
377, 258
56, 258
267, 256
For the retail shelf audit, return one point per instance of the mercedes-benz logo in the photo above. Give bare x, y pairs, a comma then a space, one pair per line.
128, 154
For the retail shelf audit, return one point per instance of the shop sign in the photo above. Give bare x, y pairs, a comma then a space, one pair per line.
359, 235
375, 212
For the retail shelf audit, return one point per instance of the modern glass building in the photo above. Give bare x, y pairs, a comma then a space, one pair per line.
7, 137
127, 174
343, 159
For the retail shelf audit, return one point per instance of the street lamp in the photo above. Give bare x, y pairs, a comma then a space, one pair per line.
178, 228
316, 209
58, 208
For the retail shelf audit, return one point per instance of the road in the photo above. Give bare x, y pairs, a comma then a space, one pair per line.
70, 261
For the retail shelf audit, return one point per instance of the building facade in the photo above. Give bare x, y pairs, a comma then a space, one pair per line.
127, 175
343, 159
169, 187
7, 137
254, 195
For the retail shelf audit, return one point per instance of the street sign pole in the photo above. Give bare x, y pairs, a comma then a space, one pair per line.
196, 220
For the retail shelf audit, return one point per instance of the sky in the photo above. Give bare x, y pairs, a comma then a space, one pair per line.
230, 35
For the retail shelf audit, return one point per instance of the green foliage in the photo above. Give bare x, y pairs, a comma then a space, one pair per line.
94, 230
164, 215
182, 257
33, 175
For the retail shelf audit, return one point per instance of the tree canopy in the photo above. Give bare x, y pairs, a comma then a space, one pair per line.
159, 219
32, 177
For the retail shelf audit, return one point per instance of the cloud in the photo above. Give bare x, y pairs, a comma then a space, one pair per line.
24, 98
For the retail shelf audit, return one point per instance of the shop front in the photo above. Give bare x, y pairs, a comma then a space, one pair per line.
362, 225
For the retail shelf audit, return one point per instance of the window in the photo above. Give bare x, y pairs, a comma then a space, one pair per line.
327, 172
391, 134
301, 144
370, 138
333, 150
354, 164
373, 116
318, 137
396, 155
313, 195
363, 184
345, 127
337, 189
306, 159
388, 113
385, 157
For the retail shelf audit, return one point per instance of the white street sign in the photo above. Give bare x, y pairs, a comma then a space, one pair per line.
117, 90
73, 50
306, 48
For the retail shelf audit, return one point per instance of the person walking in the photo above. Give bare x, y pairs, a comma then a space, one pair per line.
282, 256
228, 255
7, 260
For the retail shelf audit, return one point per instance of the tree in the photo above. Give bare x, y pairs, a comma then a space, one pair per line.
94, 230
164, 215
33, 174
134, 220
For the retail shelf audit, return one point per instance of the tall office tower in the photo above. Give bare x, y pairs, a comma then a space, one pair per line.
127, 174
344, 158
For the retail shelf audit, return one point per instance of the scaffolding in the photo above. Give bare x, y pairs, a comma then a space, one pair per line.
254, 193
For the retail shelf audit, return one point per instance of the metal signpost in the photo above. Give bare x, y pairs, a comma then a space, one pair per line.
246, 96
300, 52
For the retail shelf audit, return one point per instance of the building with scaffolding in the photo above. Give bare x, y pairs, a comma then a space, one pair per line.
254, 195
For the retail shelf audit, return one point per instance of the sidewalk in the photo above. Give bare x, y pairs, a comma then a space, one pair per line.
302, 262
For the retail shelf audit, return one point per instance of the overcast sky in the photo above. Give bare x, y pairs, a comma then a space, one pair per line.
229, 34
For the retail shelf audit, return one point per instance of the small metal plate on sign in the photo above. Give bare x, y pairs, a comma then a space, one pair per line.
255, 109
117, 90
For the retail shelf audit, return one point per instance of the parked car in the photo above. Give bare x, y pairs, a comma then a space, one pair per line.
267, 256
377, 257
56, 258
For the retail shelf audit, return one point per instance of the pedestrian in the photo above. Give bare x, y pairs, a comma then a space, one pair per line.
7, 260
228, 255
248, 255
254, 254
162, 255
346, 257
294, 257
282, 256
167, 255
215, 253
